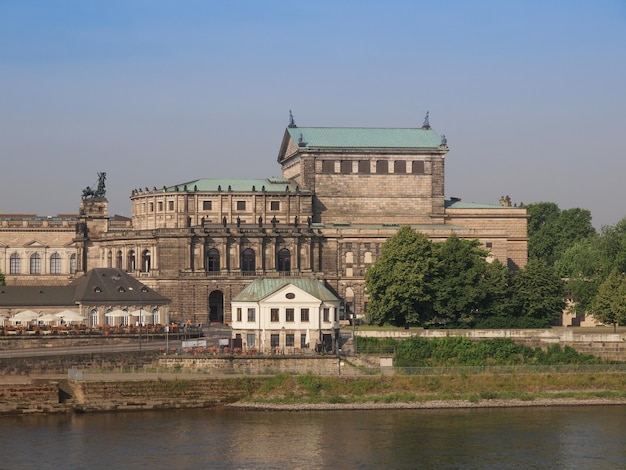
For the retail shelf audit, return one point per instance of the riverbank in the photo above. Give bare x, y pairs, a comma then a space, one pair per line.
431, 404
139, 392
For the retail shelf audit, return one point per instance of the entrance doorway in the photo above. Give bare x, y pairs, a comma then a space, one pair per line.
216, 307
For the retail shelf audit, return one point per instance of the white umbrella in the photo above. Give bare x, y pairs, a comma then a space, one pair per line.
46, 319
24, 316
69, 316
143, 314
116, 313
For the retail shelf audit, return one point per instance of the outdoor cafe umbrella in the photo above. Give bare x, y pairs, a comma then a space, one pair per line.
143, 314
24, 316
69, 316
117, 314
46, 319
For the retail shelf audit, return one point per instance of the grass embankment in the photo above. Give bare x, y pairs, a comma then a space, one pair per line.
458, 385
308, 389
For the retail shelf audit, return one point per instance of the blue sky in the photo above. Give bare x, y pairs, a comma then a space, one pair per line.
530, 95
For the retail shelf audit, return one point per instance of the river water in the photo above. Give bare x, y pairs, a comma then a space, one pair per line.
520, 438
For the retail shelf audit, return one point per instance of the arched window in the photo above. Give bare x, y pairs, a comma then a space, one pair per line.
55, 263
118, 259
15, 264
212, 263
349, 257
156, 318
93, 318
284, 261
132, 262
248, 261
145, 261
109, 320
35, 263
110, 259
73, 263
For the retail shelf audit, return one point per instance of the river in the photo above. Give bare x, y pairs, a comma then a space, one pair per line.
518, 438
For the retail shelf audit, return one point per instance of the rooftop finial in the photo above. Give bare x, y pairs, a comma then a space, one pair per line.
292, 123
426, 124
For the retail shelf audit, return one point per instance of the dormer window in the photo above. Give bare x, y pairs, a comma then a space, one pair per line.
97, 290
121, 289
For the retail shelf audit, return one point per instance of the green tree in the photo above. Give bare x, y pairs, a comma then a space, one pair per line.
551, 231
400, 283
609, 306
538, 293
2, 281
467, 285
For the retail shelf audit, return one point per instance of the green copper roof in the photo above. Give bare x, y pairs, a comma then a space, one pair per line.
358, 137
458, 204
270, 185
261, 288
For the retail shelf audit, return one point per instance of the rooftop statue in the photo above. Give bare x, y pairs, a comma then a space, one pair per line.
100, 191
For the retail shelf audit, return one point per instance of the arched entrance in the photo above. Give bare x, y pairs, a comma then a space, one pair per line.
216, 307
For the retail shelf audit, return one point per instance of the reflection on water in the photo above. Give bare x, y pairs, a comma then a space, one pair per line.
526, 438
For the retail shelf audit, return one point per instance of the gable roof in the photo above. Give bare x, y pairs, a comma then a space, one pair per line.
261, 288
113, 285
98, 286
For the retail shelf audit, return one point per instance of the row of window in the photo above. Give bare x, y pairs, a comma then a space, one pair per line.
290, 340
364, 167
15, 264
289, 315
131, 260
248, 260
208, 206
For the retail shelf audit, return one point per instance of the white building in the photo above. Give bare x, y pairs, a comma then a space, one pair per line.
281, 315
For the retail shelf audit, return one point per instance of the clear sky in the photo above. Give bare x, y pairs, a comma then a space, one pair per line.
531, 95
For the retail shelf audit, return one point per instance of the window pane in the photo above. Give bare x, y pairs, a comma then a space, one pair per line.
289, 314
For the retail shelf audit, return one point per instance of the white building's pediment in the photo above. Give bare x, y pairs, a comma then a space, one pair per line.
290, 295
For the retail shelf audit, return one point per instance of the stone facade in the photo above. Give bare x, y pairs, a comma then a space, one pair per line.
342, 193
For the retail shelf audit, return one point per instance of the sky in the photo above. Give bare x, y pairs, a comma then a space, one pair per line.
531, 95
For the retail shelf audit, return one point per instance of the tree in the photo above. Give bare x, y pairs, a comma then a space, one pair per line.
400, 283
551, 231
2, 280
467, 285
609, 306
538, 292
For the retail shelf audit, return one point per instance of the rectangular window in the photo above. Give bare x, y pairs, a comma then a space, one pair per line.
364, 166
303, 341
289, 340
275, 340
160, 206
170, 205
328, 166
489, 245
251, 340
336, 314
326, 314
241, 205
274, 205
251, 314
399, 166
15, 264
346, 167
418, 167
382, 167
151, 205
274, 315
238, 314
304, 314
289, 314
207, 205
